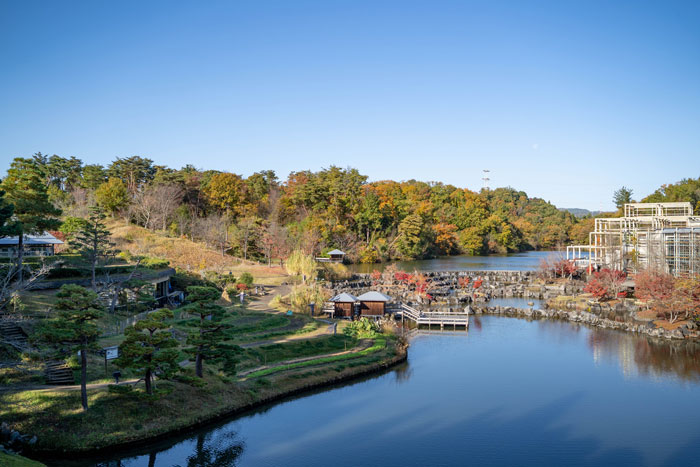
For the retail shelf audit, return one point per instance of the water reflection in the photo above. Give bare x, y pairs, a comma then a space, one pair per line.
525, 261
511, 391
647, 356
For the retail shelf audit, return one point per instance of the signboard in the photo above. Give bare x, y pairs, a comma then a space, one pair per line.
111, 353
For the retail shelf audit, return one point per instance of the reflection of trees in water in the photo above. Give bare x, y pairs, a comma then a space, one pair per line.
475, 322
222, 452
403, 373
646, 355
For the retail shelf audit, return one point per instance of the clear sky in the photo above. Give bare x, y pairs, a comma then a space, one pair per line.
567, 100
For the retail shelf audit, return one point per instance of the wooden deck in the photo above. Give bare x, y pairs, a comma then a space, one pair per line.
432, 318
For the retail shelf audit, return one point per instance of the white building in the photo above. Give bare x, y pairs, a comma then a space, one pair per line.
34, 245
661, 236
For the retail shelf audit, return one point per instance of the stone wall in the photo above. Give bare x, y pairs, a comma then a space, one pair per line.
444, 287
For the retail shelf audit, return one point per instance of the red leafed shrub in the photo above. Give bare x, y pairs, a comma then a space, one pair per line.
477, 283
403, 276
605, 284
241, 286
376, 275
463, 282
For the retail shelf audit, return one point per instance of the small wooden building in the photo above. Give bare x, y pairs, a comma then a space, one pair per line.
334, 256
373, 304
343, 305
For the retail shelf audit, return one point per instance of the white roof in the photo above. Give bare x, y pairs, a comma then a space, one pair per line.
336, 252
43, 239
344, 298
374, 297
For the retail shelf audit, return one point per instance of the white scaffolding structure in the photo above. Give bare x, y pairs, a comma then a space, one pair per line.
662, 236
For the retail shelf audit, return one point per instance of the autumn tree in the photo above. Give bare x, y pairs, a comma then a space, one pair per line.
605, 284
225, 193
112, 195
207, 340
150, 347
73, 327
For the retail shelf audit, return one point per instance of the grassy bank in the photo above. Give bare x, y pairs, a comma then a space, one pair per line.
119, 418
14, 460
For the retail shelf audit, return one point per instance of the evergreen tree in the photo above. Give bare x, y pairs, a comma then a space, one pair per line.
33, 212
150, 347
7, 227
622, 197
74, 327
92, 240
207, 339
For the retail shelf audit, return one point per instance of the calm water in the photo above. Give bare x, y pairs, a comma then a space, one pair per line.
509, 392
525, 261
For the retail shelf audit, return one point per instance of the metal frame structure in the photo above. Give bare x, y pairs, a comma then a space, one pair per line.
661, 236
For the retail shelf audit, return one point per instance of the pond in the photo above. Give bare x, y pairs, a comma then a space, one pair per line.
508, 392
525, 261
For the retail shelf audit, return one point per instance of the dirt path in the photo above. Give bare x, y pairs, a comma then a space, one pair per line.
258, 305
364, 344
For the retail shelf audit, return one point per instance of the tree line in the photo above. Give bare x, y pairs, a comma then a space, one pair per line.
261, 217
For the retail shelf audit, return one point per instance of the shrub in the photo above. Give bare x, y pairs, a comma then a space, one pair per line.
183, 279
246, 278
303, 295
299, 263
362, 328
154, 263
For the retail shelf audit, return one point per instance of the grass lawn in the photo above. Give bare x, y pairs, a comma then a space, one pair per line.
118, 417
267, 354
15, 460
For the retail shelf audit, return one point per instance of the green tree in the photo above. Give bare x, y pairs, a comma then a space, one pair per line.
94, 175
409, 242
7, 226
622, 197
33, 212
133, 171
112, 195
207, 339
73, 327
92, 241
150, 347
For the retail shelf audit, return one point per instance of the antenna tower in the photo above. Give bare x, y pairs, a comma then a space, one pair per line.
486, 179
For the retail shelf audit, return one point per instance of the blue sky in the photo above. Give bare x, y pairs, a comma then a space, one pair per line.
565, 100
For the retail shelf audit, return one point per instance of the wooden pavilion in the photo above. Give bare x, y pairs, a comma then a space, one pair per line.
373, 304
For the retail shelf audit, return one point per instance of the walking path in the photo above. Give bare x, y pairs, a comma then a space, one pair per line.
258, 305
364, 344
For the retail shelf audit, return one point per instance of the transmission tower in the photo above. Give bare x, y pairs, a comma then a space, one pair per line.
486, 179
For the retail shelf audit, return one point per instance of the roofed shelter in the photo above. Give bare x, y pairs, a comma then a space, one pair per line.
373, 304
334, 256
34, 245
343, 305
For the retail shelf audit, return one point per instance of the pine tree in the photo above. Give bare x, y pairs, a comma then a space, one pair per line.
207, 339
7, 227
74, 327
92, 241
25, 188
150, 347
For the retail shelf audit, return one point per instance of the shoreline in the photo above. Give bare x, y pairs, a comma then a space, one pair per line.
229, 412
585, 317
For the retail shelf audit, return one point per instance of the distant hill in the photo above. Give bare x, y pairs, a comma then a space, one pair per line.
579, 212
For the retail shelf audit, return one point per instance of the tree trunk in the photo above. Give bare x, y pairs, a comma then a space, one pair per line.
83, 375
149, 388
198, 365
20, 256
